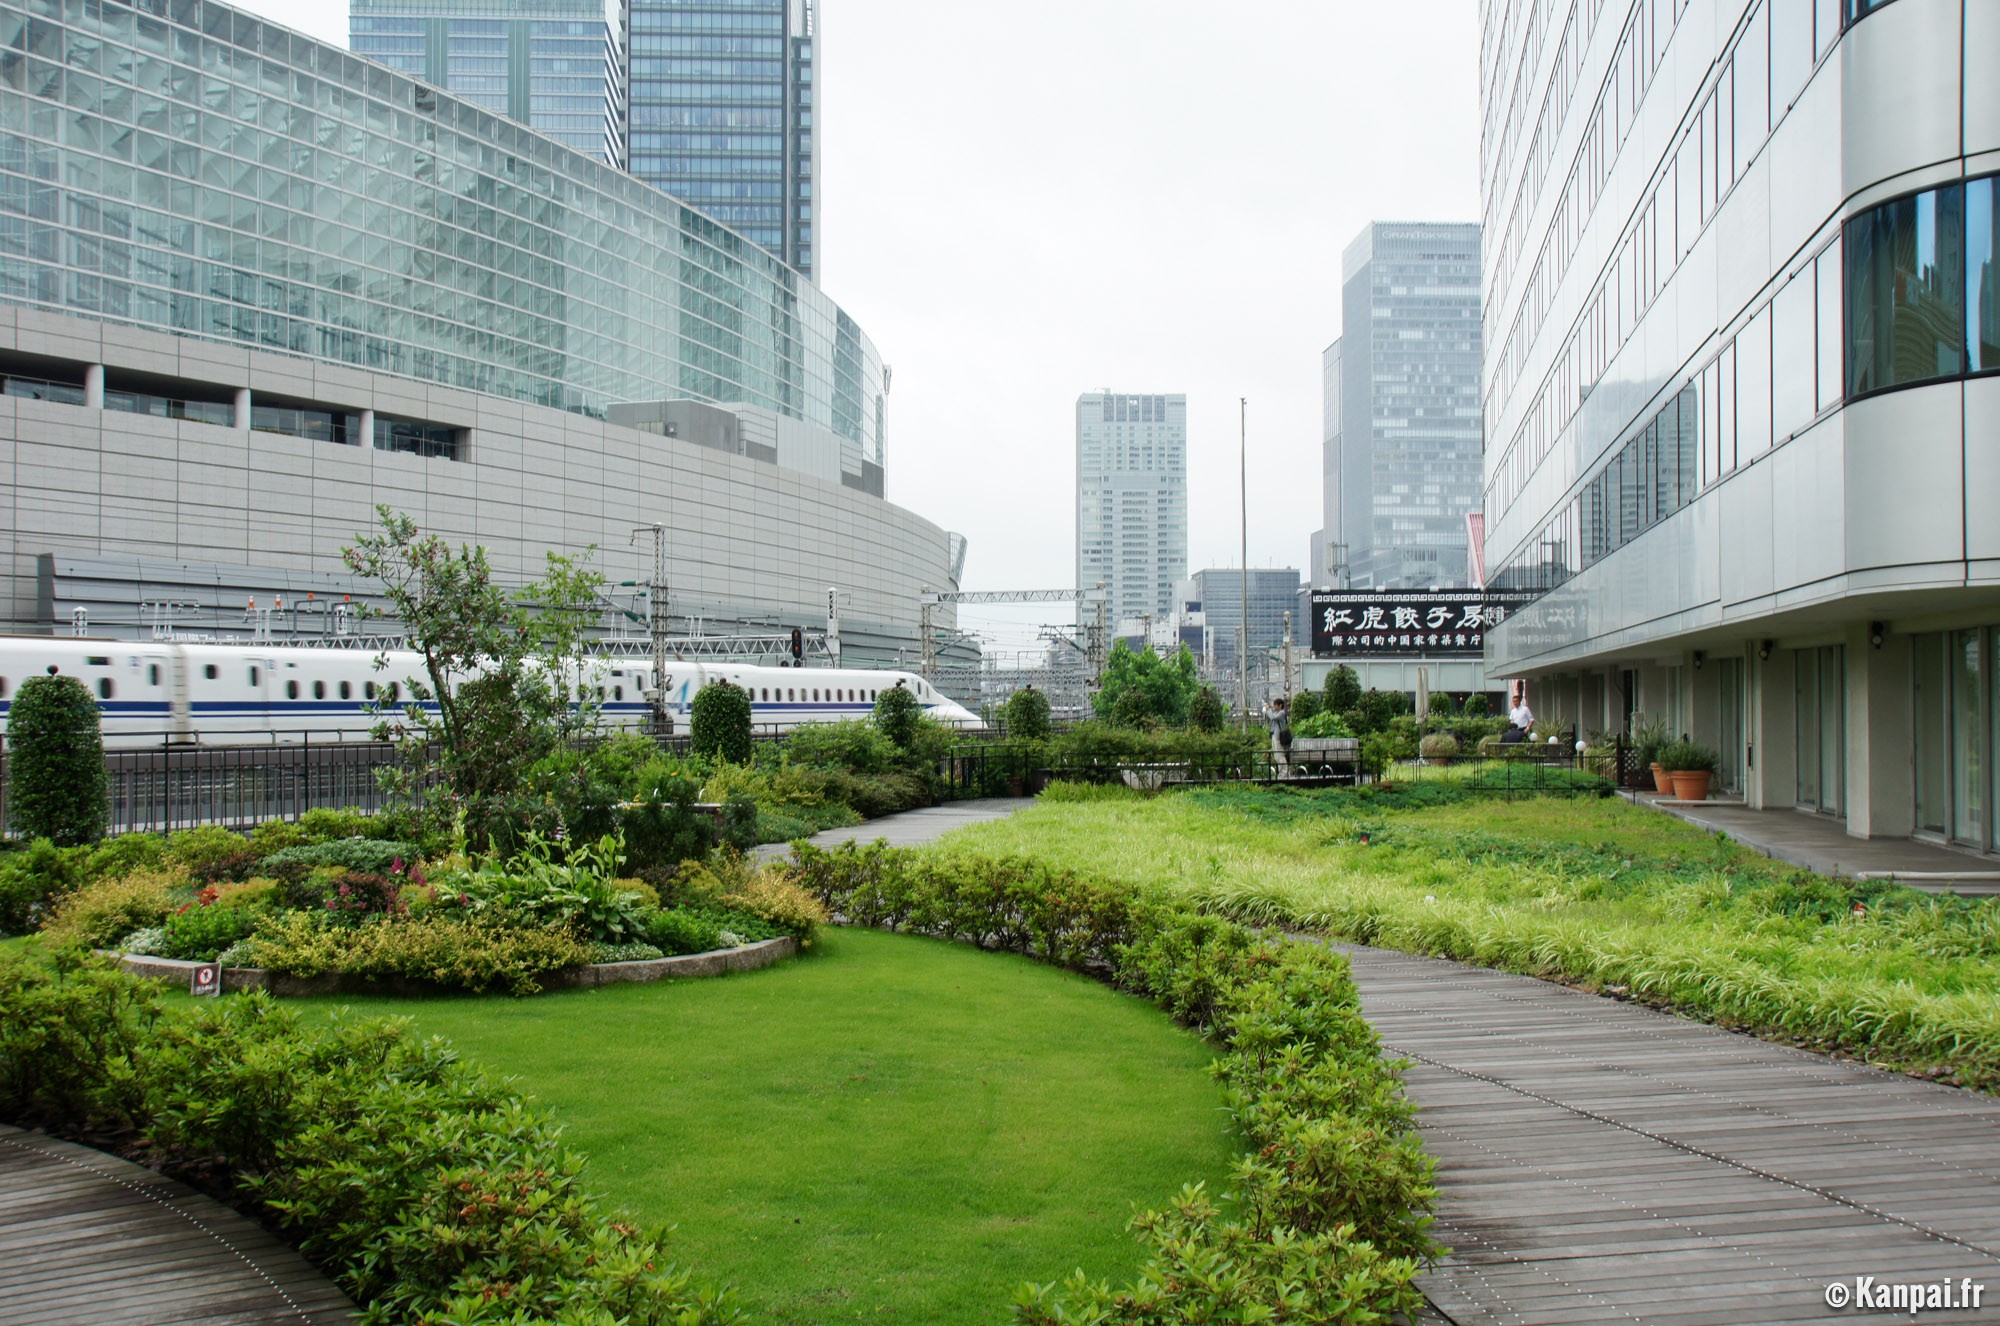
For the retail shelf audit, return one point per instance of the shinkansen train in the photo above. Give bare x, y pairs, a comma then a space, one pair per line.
150, 692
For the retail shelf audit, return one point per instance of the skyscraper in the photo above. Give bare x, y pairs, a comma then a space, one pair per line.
552, 65
1131, 500
1402, 428
720, 114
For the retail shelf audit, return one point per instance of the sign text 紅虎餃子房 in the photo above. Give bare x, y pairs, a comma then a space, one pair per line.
1411, 624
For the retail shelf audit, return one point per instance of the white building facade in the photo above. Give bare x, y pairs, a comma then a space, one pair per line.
1742, 387
1131, 501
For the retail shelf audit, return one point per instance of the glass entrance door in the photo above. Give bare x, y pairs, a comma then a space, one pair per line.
1729, 724
1821, 707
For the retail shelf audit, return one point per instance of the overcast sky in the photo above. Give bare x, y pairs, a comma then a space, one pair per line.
1027, 201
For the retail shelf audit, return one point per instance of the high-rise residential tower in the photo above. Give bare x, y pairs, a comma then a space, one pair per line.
553, 65
1401, 392
1131, 501
720, 114
1742, 389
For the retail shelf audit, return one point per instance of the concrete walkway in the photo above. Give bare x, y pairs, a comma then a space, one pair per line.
912, 828
1821, 844
1601, 1162
87, 1238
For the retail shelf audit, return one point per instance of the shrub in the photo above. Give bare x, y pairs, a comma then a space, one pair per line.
1688, 757
680, 930
660, 827
720, 723
124, 854
1325, 723
637, 951
897, 710
1063, 790
275, 836
860, 748
1303, 706
1027, 715
1343, 688
104, 911
1438, 746
199, 932
322, 825
212, 854
1476, 705
368, 856
455, 952
772, 895
1441, 706
428, 1192
34, 881
56, 786
1206, 712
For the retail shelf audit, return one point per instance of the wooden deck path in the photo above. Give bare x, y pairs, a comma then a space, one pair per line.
87, 1238
1600, 1162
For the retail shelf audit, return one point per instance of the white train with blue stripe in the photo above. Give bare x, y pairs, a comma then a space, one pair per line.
153, 692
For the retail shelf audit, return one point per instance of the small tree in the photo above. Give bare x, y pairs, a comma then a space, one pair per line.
897, 710
1304, 705
1475, 705
55, 764
1027, 715
1141, 687
1206, 712
1343, 688
1441, 706
720, 722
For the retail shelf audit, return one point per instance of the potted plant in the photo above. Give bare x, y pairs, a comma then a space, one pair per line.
1690, 765
1648, 736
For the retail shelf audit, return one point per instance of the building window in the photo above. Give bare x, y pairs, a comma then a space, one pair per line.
1906, 291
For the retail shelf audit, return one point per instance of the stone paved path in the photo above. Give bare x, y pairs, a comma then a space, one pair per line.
86, 1238
1600, 1162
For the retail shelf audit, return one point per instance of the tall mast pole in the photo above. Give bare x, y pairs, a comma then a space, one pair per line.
1243, 476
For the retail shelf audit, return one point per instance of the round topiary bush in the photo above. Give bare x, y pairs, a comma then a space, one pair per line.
1027, 715
720, 723
56, 788
1205, 711
897, 710
1438, 746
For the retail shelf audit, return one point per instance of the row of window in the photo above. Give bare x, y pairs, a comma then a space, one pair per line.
1767, 68
1921, 303
1498, 149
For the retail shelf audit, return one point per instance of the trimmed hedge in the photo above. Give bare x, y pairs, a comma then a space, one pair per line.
1329, 1221
56, 786
429, 1193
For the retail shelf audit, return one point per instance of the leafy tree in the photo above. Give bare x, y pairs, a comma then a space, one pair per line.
1304, 705
1206, 712
1475, 705
897, 710
1142, 688
526, 649
1441, 706
1343, 688
55, 762
720, 722
1027, 715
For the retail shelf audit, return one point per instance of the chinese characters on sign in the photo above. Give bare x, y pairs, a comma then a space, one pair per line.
1439, 623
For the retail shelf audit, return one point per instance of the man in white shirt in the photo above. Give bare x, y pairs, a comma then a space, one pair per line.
1520, 715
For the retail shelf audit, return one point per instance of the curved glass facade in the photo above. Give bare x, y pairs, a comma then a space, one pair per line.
185, 166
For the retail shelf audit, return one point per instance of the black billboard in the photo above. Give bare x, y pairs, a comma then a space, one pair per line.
1443, 623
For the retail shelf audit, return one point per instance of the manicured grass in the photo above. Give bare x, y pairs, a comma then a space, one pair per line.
891, 1129
1598, 892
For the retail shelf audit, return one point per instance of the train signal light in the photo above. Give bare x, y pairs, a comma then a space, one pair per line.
798, 645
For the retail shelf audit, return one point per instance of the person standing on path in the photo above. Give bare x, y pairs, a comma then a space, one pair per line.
1279, 718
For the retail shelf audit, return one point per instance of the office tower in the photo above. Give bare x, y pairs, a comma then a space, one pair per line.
1218, 591
1401, 392
1131, 502
720, 114
1741, 389
553, 65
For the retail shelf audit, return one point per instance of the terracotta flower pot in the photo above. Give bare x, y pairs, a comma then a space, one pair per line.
1691, 784
1663, 783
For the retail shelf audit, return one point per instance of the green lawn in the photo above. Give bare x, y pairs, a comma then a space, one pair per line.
1598, 892
891, 1129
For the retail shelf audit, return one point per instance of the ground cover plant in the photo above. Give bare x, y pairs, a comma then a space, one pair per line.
431, 1194
896, 1129
1591, 891
1327, 1220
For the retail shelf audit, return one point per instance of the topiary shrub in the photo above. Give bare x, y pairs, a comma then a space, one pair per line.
897, 710
1438, 746
1027, 716
56, 787
1343, 688
720, 724
1442, 707
1206, 712
1476, 705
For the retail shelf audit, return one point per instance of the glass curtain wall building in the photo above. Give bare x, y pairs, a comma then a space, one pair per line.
1273, 593
720, 100
1131, 503
1402, 427
554, 65
1741, 387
